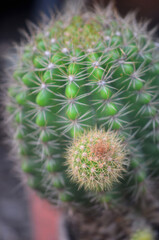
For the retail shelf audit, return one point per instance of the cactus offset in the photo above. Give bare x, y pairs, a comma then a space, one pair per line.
84, 104
96, 160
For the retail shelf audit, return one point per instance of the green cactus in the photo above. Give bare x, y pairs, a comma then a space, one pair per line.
88, 80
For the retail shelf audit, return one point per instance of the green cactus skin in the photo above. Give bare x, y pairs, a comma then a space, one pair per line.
77, 73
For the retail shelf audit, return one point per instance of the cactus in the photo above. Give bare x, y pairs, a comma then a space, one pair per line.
83, 104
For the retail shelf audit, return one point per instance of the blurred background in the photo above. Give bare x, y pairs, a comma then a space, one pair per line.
23, 216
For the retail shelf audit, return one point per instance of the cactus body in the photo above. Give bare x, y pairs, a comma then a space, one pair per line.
82, 78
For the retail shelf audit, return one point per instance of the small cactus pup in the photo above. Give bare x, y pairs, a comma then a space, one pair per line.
96, 159
83, 105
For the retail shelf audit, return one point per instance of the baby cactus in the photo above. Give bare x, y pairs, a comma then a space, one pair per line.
83, 103
96, 159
